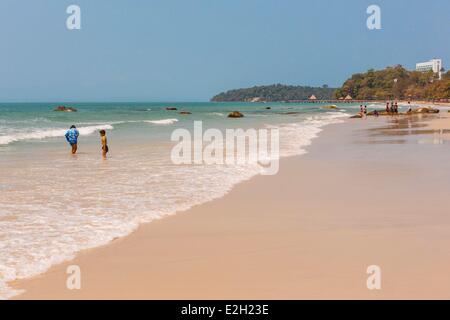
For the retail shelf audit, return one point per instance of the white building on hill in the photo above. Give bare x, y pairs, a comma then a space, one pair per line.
434, 65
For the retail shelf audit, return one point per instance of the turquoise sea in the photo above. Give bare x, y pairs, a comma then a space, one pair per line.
22, 123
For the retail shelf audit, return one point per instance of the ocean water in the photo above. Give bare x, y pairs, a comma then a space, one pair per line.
53, 204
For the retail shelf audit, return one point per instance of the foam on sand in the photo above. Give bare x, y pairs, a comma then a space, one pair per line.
53, 224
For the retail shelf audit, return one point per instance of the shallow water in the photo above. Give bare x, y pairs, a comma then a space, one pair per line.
53, 205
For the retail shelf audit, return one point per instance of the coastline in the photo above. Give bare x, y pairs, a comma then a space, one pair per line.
302, 234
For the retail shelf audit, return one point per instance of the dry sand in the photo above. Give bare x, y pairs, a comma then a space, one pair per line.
360, 197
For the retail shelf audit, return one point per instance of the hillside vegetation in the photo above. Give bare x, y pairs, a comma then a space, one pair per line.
380, 85
390, 83
276, 92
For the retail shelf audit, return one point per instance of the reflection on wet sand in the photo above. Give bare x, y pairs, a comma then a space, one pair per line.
385, 141
403, 132
415, 129
434, 140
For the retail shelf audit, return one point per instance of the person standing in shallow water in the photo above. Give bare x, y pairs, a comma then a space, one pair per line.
72, 138
104, 141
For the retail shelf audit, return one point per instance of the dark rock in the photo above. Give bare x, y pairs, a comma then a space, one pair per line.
235, 114
380, 113
426, 110
331, 107
185, 112
171, 109
65, 109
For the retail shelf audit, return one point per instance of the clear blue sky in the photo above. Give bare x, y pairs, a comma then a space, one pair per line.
188, 50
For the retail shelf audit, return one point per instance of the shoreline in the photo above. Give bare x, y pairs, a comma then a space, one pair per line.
107, 204
244, 246
381, 102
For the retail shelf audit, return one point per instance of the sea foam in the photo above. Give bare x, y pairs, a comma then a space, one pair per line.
43, 223
162, 121
39, 134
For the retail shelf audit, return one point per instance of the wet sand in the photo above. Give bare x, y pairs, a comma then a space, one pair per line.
365, 194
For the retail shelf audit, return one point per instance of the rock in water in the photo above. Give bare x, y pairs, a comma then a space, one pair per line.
426, 110
235, 114
65, 109
171, 109
333, 107
356, 116
185, 112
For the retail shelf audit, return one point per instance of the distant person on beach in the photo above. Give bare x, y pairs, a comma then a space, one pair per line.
365, 110
105, 148
396, 107
388, 109
361, 110
376, 113
72, 138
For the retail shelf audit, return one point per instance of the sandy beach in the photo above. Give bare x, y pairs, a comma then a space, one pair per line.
216, 151
368, 192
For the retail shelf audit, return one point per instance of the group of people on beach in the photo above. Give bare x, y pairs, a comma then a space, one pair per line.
363, 111
391, 108
72, 138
